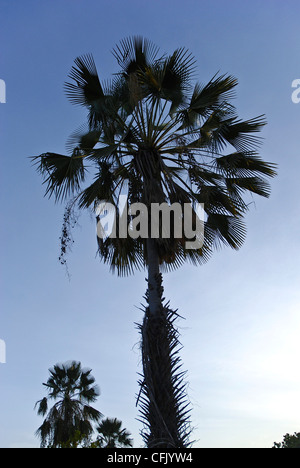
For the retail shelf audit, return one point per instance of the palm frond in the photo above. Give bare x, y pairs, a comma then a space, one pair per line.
240, 133
225, 229
102, 189
173, 77
84, 139
123, 255
62, 174
42, 406
88, 90
244, 164
212, 97
217, 92
134, 54
238, 185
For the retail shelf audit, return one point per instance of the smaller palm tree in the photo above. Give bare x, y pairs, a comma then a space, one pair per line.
73, 389
111, 434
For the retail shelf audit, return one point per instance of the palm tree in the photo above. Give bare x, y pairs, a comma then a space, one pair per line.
158, 137
73, 390
111, 434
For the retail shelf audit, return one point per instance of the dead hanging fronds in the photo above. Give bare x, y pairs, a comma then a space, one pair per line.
163, 401
66, 239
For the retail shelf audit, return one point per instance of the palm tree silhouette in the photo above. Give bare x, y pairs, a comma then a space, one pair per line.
73, 390
111, 435
158, 137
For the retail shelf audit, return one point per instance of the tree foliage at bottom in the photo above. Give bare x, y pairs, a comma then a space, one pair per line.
289, 441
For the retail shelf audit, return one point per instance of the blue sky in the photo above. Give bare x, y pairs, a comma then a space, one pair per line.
242, 309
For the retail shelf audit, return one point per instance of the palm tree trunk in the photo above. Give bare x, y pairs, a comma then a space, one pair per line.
162, 393
154, 292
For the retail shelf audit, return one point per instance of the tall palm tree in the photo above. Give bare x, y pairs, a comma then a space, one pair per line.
111, 435
159, 137
73, 390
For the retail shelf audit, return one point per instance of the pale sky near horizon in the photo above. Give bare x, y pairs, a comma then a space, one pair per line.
240, 331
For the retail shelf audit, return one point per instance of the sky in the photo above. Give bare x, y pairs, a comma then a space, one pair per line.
241, 310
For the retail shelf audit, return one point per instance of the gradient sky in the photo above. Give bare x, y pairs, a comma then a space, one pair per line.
241, 330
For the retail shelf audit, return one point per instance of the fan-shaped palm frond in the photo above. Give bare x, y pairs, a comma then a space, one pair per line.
135, 53
62, 174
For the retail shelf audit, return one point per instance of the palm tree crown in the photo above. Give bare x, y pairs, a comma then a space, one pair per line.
157, 136
111, 435
73, 390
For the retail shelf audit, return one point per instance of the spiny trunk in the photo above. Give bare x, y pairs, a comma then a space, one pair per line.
154, 288
162, 396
